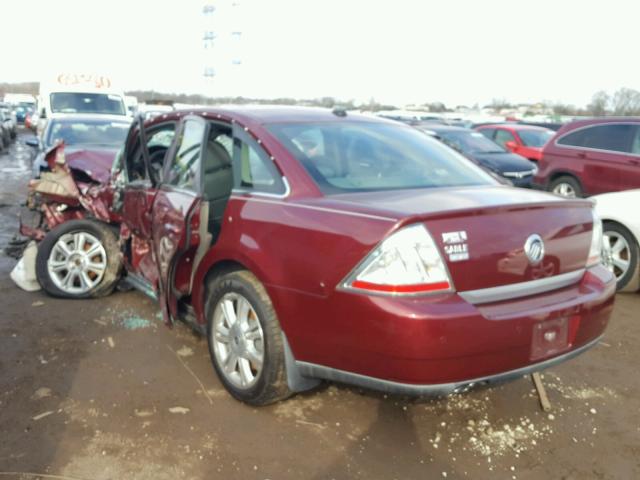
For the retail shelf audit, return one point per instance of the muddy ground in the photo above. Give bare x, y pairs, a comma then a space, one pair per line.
100, 390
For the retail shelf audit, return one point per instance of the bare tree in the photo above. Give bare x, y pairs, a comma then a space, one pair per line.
626, 101
599, 104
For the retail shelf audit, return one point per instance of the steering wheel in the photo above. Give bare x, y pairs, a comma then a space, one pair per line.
156, 162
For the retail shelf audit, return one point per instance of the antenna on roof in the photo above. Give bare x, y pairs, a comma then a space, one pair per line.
339, 112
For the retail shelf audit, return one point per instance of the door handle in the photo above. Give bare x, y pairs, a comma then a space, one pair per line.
582, 155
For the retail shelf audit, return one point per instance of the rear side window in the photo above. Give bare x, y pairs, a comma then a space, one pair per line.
253, 168
185, 165
635, 147
613, 137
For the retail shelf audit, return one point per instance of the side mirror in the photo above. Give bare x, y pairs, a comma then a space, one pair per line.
43, 113
32, 142
511, 145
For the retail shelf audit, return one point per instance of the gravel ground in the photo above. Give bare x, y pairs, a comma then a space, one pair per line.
101, 389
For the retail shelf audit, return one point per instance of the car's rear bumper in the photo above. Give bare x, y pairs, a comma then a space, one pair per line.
442, 343
326, 373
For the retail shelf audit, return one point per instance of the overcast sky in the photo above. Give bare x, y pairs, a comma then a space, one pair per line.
400, 51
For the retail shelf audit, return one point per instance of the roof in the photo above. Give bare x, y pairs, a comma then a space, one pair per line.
265, 114
435, 127
593, 120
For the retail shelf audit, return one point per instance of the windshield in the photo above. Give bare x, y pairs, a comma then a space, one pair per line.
73, 102
87, 132
470, 142
362, 156
535, 138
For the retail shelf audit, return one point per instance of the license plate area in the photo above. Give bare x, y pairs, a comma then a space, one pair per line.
549, 338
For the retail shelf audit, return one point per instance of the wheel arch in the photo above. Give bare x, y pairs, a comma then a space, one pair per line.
563, 173
213, 266
621, 223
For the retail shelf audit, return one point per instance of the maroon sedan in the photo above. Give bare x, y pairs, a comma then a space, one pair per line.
593, 156
311, 244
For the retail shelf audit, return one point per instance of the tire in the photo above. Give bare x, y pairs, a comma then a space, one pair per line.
244, 378
620, 246
61, 260
570, 185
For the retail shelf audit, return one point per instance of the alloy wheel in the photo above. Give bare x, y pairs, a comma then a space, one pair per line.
616, 253
564, 190
77, 262
238, 340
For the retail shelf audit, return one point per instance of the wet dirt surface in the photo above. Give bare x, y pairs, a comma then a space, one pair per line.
101, 389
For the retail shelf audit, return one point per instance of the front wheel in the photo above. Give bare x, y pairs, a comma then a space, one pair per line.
78, 259
620, 255
245, 339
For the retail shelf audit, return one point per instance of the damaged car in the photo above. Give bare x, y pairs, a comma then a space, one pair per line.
310, 244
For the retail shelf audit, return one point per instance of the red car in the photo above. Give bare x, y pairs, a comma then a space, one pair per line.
525, 140
587, 157
312, 244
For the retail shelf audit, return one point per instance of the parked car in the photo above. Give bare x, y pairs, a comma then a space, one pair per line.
94, 138
621, 227
32, 120
524, 140
9, 119
516, 169
588, 157
6, 134
310, 244
21, 113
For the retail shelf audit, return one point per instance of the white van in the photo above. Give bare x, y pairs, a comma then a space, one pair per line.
79, 93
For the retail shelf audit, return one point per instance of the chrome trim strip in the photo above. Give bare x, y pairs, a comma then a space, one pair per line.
388, 386
522, 174
250, 196
523, 289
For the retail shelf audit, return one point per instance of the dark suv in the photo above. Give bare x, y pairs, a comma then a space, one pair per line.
592, 156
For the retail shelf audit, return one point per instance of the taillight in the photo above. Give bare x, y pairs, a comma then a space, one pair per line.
406, 263
595, 251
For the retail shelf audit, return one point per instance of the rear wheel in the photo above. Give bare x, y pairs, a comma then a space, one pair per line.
78, 259
620, 255
245, 339
566, 186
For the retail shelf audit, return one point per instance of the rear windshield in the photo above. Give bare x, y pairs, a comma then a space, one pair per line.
470, 142
73, 102
535, 138
364, 156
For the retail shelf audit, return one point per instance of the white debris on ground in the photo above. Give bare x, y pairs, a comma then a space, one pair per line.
42, 392
482, 434
185, 351
181, 410
491, 437
570, 392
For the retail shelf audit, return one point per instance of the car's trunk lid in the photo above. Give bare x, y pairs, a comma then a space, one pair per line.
482, 231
